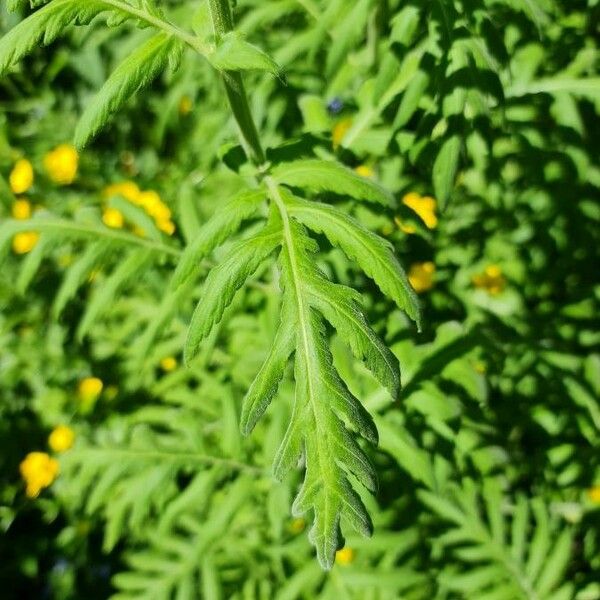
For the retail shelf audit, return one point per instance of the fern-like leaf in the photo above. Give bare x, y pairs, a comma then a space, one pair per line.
43, 27
374, 254
224, 281
133, 74
528, 563
225, 222
319, 175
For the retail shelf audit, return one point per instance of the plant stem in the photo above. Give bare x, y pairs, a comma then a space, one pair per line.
222, 19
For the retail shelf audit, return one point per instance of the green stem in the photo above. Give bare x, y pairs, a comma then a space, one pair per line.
222, 19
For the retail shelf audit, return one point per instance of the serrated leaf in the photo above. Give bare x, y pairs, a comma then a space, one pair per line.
374, 254
233, 53
340, 306
316, 429
265, 385
133, 74
43, 27
224, 223
444, 169
224, 281
323, 176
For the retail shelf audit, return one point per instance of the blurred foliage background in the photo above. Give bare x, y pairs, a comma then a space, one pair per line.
124, 473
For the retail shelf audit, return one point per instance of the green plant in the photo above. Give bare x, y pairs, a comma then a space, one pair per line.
303, 300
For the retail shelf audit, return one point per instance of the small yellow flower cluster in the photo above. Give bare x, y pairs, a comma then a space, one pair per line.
39, 470
149, 200
339, 131
23, 241
421, 276
21, 177
424, 206
491, 280
62, 163
61, 438
169, 363
345, 556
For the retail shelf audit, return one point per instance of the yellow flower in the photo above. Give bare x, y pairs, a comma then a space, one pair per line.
139, 231
344, 556
185, 106
491, 280
90, 388
127, 189
24, 242
297, 526
61, 438
339, 131
61, 164
421, 276
150, 201
21, 209
21, 177
365, 171
594, 494
424, 206
167, 226
112, 217
39, 470
169, 363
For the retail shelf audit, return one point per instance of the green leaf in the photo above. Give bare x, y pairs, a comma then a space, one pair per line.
316, 428
444, 169
43, 27
585, 87
555, 565
224, 281
264, 386
233, 53
374, 254
64, 229
224, 223
133, 74
411, 98
319, 175
340, 306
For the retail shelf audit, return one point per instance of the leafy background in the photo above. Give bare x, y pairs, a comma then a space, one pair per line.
487, 462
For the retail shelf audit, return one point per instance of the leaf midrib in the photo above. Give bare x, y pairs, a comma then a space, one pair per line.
302, 312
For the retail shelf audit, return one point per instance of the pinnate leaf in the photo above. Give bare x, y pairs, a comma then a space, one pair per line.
323, 176
133, 74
